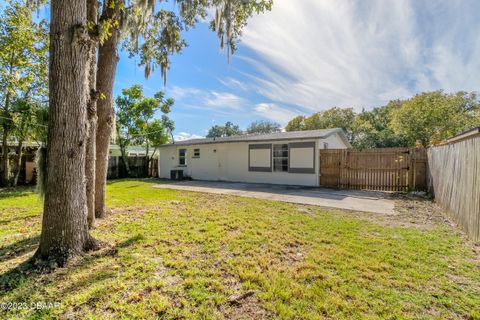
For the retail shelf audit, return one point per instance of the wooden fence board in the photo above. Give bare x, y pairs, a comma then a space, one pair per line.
388, 169
454, 179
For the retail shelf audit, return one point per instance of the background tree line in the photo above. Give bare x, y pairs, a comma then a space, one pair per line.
230, 129
423, 120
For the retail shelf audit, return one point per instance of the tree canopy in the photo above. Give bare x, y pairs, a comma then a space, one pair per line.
23, 79
136, 122
227, 130
429, 118
425, 119
263, 126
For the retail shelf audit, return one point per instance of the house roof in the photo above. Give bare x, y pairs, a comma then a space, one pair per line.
292, 135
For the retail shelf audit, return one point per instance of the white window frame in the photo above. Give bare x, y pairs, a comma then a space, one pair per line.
184, 157
196, 153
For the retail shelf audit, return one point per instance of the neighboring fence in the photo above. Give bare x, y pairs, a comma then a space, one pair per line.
388, 169
454, 178
138, 168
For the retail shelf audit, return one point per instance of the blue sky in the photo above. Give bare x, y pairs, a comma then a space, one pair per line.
309, 55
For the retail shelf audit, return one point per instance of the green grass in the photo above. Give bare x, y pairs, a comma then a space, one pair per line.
181, 255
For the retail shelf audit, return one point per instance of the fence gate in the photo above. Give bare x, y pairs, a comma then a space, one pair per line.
386, 169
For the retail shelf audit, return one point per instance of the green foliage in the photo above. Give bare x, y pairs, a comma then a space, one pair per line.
135, 123
431, 117
331, 118
372, 128
23, 54
263, 127
229, 129
296, 124
424, 119
23, 74
181, 255
154, 35
31, 119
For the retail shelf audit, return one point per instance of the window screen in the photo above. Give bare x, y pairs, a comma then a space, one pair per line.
280, 157
182, 157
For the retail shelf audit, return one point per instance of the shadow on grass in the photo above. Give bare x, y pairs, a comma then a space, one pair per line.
16, 192
25, 273
8, 221
145, 180
18, 248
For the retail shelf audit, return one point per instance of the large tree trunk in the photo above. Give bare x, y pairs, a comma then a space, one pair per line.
92, 8
18, 166
107, 68
64, 225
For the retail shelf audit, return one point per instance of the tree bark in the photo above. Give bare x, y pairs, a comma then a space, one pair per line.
18, 166
92, 8
5, 166
123, 152
64, 225
5, 179
107, 68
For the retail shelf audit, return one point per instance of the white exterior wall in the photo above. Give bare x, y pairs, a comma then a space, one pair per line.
229, 162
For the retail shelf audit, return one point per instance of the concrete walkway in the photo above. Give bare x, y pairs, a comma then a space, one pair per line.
376, 202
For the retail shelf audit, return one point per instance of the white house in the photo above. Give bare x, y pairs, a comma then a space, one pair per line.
290, 158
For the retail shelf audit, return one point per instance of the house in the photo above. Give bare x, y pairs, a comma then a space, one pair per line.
290, 158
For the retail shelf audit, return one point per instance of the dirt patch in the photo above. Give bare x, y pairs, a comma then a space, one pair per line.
248, 308
418, 211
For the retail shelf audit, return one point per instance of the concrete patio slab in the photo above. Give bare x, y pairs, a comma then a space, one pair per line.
356, 200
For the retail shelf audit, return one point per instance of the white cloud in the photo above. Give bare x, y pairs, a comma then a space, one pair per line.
224, 99
179, 93
274, 112
234, 84
181, 136
317, 54
208, 100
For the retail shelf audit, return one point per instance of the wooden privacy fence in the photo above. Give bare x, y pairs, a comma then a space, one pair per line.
454, 178
387, 169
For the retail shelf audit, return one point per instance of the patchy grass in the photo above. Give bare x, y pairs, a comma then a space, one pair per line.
181, 255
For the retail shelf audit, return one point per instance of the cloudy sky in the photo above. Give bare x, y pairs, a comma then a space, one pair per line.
309, 55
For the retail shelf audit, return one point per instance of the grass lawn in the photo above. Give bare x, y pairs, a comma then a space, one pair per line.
181, 255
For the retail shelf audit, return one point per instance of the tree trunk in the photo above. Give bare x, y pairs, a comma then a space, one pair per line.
92, 8
5, 179
123, 152
147, 171
5, 166
107, 68
18, 166
64, 225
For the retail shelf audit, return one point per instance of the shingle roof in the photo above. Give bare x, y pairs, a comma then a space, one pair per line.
292, 135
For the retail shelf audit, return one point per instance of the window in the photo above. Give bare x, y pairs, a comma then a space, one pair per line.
302, 157
260, 157
196, 153
182, 157
280, 157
